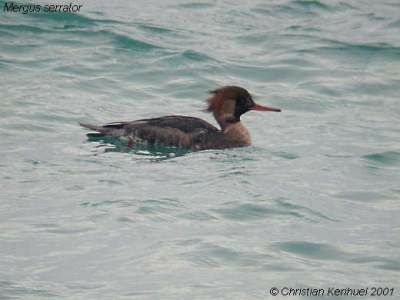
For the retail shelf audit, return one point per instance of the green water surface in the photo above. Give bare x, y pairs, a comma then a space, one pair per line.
314, 202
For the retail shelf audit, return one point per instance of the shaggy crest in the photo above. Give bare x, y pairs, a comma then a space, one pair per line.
216, 101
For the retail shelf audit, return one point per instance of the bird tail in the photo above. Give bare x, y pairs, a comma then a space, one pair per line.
113, 129
92, 127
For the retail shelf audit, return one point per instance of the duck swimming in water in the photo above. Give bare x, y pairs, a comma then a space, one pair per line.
227, 105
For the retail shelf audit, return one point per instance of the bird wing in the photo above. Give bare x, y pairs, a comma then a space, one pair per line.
179, 131
183, 123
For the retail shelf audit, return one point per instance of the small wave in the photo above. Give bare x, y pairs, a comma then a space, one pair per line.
303, 28
269, 73
12, 29
251, 211
118, 39
343, 49
395, 24
387, 158
390, 265
379, 262
326, 252
286, 155
178, 58
312, 250
13, 290
210, 254
132, 43
303, 8
198, 216
23, 127
154, 28
318, 5
361, 195
194, 55
311, 4
195, 5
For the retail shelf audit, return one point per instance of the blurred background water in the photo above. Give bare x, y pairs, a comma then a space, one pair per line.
314, 202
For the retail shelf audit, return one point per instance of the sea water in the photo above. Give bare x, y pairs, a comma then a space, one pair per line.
313, 203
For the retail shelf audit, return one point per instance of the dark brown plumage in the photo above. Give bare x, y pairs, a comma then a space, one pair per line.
227, 105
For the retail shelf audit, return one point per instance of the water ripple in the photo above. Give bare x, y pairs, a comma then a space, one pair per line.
277, 208
384, 158
316, 196
321, 251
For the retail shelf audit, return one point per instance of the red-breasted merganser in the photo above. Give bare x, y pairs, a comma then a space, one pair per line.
227, 105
